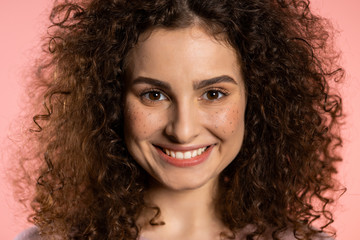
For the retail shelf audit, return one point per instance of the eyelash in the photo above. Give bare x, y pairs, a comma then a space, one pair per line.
148, 91
221, 91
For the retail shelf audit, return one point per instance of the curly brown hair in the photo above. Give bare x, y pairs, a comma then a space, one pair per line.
89, 187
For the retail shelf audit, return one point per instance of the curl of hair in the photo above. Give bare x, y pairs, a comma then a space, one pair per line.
89, 187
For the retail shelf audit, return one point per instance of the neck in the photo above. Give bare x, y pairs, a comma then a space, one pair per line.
182, 210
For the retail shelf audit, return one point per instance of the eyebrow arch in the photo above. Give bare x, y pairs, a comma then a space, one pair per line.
208, 82
196, 85
151, 81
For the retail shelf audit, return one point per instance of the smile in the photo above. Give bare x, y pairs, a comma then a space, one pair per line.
184, 157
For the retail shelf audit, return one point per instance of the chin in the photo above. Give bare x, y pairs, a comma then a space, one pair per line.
185, 183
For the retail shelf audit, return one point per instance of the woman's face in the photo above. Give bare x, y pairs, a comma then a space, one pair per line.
184, 107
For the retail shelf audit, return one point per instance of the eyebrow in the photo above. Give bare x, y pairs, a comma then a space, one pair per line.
196, 85
151, 81
211, 81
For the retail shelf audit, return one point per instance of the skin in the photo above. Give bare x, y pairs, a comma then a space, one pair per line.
183, 110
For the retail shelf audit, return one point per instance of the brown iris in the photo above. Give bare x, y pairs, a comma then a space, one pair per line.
154, 96
212, 95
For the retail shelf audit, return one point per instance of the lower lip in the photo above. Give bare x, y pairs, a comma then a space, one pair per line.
186, 162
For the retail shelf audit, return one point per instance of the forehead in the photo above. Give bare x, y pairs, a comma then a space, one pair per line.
186, 51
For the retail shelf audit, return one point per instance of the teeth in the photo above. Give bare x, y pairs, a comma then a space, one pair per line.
185, 155
179, 155
194, 153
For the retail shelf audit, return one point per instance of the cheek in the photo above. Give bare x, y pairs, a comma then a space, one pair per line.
228, 122
140, 123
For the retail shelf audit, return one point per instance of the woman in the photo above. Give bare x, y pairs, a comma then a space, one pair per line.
185, 120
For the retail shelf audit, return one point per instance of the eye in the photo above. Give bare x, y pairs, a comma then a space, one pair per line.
213, 95
154, 96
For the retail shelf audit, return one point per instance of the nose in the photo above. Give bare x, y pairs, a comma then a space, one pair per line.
183, 125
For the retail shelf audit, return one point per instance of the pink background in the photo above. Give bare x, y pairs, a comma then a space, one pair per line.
22, 22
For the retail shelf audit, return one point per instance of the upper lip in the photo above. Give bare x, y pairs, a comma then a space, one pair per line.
178, 148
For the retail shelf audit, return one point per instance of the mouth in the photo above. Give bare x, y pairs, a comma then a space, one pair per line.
184, 154
184, 157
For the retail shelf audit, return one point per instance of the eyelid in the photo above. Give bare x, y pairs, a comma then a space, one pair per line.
149, 90
217, 89
222, 91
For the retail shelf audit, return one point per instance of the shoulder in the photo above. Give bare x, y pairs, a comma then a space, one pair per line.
289, 235
29, 234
